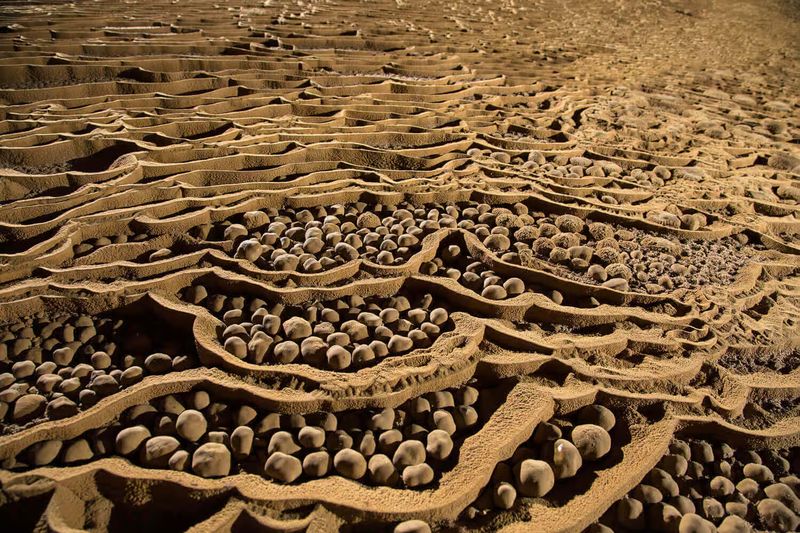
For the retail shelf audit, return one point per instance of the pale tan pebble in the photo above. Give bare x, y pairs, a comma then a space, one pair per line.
338, 440
546, 432
350, 463
440, 444
236, 346
100, 360
776, 516
389, 440
566, 459
60, 408
199, 400
748, 487
212, 459
412, 526
734, 524
784, 494
713, 509
758, 472
317, 464
297, 328
234, 231
630, 513
77, 451
682, 504
282, 441
676, 465
286, 352
191, 425
311, 437
663, 481
283, 467
399, 344
129, 439
417, 475
533, 478
504, 495
158, 363
382, 421
242, 441
158, 450
721, 487
45, 452
409, 453
593, 442
444, 420
338, 357
647, 493
28, 407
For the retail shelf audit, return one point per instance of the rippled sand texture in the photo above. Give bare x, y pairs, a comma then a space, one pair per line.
400, 266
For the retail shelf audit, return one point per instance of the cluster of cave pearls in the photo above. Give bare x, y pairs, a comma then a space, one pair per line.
288, 267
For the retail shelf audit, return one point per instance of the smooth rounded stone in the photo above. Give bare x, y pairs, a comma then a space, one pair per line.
647, 493
676, 465
693, 523
129, 439
748, 487
712, 508
100, 360
417, 475
598, 415
286, 352
191, 425
350, 463
286, 262
412, 526
533, 477
702, 452
317, 464
497, 242
546, 432
157, 451
104, 385
311, 437
784, 494
242, 441
721, 487
758, 472
236, 346
45, 452
283, 467
389, 440
28, 407
504, 495
313, 350
87, 398
63, 356
297, 328
663, 482
362, 354
439, 316
566, 459
444, 420
440, 444
399, 344
212, 459
354, 329
630, 513
382, 421
282, 441
409, 453
494, 292
61, 407
131, 376
159, 363
514, 286
77, 451
382, 470
338, 357
776, 516
593, 442
734, 524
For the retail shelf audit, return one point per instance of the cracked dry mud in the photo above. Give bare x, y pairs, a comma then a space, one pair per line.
400, 266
